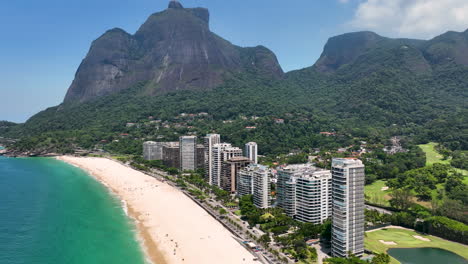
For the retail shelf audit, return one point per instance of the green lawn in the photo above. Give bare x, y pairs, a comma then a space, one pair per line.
376, 195
404, 239
432, 156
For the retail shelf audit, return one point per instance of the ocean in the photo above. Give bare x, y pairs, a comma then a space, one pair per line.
54, 213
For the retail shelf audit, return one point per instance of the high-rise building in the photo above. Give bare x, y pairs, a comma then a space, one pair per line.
221, 153
251, 151
229, 173
304, 192
188, 152
149, 150
152, 150
171, 154
255, 179
245, 182
262, 187
176, 154
209, 141
200, 156
348, 207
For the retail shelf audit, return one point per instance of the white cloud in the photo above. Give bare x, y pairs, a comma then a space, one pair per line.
411, 18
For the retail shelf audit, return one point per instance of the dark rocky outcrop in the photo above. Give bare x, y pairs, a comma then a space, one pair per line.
173, 50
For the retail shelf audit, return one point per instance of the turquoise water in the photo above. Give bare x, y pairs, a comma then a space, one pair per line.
425, 256
51, 213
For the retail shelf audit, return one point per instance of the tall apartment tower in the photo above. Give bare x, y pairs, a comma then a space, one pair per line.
200, 156
209, 141
149, 150
255, 180
188, 152
348, 207
221, 153
231, 168
171, 154
251, 151
304, 192
153, 150
262, 187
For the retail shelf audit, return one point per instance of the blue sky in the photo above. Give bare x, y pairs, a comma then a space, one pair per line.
43, 42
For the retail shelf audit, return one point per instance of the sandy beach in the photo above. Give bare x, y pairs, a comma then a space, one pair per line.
173, 228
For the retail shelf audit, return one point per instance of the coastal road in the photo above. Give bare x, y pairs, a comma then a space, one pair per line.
243, 233
378, 209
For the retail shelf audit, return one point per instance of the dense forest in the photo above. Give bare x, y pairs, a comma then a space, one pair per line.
374, 108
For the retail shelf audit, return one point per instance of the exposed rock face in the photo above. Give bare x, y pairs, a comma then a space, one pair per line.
173, 50
369, 52
345, 49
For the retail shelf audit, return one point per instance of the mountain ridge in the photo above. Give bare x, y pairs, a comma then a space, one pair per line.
363, 85
417, 56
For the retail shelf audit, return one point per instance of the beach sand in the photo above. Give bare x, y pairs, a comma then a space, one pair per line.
172, 227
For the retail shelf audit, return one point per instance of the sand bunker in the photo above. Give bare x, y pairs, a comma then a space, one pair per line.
388, 243
422, 238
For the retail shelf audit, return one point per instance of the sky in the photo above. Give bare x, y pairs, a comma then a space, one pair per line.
42, 43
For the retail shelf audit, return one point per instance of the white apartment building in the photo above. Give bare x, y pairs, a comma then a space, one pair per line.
188, 152
348, 207
304, 192
251, 151
209, 141
152, 150
220, 153
255, 180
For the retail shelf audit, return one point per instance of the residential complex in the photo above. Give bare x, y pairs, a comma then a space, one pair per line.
251, 151
304, 192
348, 207
221, 152
255, 179
184, 154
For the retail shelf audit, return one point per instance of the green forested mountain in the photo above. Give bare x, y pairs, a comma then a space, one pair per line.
5, 126
363, 86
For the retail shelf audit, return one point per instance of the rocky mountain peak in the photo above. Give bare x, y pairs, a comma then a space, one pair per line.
173, 50
175, 4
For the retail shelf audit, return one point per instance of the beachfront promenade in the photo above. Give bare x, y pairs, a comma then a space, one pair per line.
172, 227
243, 233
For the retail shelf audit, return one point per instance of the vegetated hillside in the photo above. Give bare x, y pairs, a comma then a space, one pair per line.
363, 86
6, 126
173, 50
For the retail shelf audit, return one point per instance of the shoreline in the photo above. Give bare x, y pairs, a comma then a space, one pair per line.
159, 213
149, 248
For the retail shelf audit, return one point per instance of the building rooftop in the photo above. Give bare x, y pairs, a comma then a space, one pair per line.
256, 167
305, 171
239, 159
347, 162
171, 144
